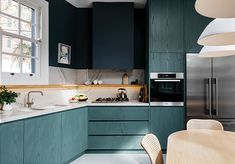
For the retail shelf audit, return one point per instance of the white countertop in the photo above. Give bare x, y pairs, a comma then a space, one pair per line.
24, 113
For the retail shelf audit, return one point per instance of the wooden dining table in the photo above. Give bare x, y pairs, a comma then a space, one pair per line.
201, 147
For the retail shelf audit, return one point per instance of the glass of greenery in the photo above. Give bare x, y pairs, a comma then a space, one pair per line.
7, 97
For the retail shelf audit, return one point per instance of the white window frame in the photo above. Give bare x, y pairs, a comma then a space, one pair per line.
42, 67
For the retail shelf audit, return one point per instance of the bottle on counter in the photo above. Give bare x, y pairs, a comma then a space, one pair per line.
125, 79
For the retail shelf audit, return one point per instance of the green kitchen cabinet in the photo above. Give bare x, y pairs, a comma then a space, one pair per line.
166, 25
74, 133
11, 143
167, 62
116, 113
194, 26
117, 127
42, 139
115, 142
165, 121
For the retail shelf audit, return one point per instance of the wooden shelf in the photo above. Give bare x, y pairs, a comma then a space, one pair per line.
111, 85
70, 86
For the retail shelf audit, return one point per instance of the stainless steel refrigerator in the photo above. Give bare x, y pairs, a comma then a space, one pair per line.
211, 89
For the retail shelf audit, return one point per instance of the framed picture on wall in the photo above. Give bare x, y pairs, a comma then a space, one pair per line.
64, 53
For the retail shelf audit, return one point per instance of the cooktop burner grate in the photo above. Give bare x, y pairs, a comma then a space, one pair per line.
111, 100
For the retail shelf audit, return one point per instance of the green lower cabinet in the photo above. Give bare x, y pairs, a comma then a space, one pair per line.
117, 128
167, 62
115, 113
74, 133
114, 142
11, 143
42, 140
165, 121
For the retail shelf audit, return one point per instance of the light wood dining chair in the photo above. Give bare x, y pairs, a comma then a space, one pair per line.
153, 148
204, 124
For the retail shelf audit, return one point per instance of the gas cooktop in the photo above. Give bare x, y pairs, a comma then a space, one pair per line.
110, 100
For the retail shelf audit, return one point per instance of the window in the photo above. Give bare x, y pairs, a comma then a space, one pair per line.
24, 41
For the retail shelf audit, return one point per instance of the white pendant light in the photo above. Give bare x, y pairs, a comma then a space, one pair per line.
217, 51
218, 33
216, 8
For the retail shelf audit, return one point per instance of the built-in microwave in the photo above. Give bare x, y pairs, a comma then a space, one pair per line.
167, 89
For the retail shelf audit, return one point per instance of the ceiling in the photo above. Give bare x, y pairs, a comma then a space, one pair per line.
88, 3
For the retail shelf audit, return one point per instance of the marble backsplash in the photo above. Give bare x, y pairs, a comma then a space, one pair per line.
72, 76
61, 96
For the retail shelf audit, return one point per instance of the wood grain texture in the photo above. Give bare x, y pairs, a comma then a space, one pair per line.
166, 26
114, 142
118, 113
68, 86
118, 128
11, 143
167, 62
42, 140
201, 146
113, 36
74, 133
165, 121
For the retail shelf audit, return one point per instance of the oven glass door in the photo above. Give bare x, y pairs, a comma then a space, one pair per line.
167, 90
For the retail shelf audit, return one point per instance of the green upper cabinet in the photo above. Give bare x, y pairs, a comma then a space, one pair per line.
165, 121
194, 26
74, 133
166, 25
167, 62
42, 140
11, 143
113, 36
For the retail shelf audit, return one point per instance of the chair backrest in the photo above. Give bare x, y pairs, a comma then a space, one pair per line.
204, 124
153, 148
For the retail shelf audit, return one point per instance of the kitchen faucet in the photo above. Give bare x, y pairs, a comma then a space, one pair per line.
30, 103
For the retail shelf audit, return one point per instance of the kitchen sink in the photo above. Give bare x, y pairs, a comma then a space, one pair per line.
48, 107
43, 107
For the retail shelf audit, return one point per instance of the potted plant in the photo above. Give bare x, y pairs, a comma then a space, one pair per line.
7, 97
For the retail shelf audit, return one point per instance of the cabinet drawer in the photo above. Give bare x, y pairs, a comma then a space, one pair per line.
114, 142
118, 113
118, 128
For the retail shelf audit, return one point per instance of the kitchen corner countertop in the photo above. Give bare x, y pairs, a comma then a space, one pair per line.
25, 113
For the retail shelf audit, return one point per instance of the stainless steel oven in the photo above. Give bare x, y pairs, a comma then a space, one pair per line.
167, 89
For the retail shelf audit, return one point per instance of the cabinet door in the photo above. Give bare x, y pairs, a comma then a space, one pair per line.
11, 143
165, 121
166, 25
167, 62
113, 36
194, 26
74, 133
42, 140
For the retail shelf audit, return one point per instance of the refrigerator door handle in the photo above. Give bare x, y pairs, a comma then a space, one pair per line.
215, 97
208, 95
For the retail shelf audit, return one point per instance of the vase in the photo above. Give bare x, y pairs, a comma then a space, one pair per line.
7, 107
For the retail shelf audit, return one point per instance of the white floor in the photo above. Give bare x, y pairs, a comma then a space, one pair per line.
112, 159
